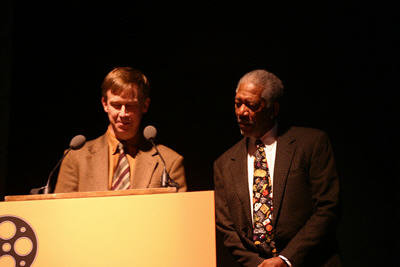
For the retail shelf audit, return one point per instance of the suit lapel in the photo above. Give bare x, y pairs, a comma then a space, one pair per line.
284, 154
145, 164
98, 158
239, 174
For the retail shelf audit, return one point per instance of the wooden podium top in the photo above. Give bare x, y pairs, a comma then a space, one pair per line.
92, 194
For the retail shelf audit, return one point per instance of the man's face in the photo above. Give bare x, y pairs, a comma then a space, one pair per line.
125, 112
252, 114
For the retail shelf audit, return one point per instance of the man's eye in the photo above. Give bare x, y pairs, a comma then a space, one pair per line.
131, 106
116, 106
252, 106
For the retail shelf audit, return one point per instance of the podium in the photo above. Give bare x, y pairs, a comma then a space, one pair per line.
138, 227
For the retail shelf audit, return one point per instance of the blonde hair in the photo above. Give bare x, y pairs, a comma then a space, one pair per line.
122, 78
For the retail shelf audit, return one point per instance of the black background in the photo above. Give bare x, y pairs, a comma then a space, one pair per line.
339, 64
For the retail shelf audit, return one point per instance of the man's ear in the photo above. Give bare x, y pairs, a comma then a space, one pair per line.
146, 105
104, 103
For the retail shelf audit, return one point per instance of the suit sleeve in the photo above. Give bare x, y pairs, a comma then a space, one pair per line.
324, 185
67, 180
225, 225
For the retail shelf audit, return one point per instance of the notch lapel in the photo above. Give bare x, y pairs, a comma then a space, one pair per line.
239, 174
284, 155
145, 164
98, 168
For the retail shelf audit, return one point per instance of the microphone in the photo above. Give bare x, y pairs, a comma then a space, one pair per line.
150, 133
76, 143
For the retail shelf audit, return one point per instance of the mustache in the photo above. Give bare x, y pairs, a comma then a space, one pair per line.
244, 121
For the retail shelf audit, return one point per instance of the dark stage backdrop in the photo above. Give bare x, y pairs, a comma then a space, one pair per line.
339, 65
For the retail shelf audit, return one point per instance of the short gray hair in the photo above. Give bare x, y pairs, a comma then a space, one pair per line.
271, 85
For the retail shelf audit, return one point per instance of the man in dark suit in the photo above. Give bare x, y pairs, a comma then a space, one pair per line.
277, 189
100, 164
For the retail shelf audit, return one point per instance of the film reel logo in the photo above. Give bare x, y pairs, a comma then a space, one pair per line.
18, 243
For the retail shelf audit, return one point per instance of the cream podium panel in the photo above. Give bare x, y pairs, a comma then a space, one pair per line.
172, 229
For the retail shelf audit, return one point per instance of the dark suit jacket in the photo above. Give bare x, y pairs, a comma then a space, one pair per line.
87, 169
305, 197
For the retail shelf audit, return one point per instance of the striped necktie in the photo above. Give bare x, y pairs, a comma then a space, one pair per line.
121, 178
263, 232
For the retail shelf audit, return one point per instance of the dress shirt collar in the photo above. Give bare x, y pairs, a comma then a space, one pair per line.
268, 139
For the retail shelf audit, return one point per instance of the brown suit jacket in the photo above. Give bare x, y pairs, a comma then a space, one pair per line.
86, 169
306, 198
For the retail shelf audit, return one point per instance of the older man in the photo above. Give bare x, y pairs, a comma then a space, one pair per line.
277, 189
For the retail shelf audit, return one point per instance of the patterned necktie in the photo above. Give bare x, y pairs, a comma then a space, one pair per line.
121, 178
262, 201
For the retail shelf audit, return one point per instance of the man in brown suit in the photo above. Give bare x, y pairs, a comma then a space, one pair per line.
125, 99
305, 185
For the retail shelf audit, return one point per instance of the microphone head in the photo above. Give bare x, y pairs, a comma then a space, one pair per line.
149, 132
77, 142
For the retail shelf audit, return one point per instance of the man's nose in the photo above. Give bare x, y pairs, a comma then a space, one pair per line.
243, 110
123, 111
